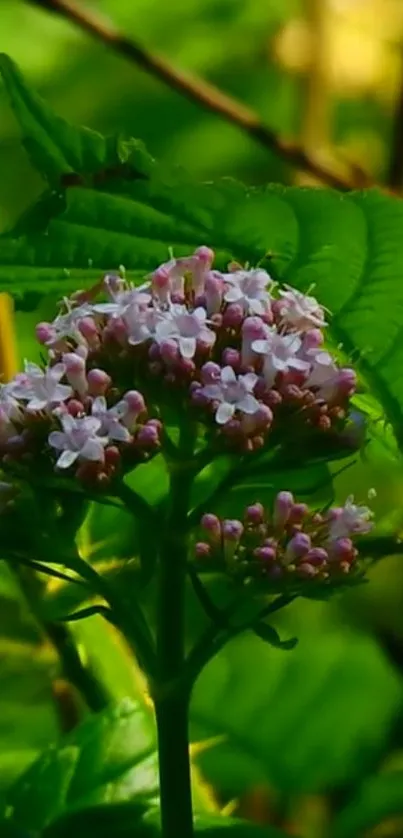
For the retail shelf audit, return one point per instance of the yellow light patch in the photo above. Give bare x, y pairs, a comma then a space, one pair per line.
8, 343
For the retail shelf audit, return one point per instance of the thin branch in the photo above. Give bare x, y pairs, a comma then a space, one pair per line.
204, 94
79, 674
216, 615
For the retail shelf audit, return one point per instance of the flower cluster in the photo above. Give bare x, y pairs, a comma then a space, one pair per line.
238, 354
288, 546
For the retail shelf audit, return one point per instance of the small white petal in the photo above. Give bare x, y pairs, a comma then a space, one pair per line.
187, 347
249, 404
224, 413
249, 380
228, 375
57, 439
261, 346
66, 459
93, 449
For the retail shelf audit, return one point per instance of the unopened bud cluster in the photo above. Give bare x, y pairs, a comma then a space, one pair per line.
290, 544
229, 350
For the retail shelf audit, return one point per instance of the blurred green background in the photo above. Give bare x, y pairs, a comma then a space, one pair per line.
302, 729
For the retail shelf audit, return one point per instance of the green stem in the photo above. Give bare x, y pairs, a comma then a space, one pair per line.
171, 695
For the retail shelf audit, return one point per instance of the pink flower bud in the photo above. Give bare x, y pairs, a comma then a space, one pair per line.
161, 284
210, 373
346, 382
233, 316
212, 525
312, 339
89, 330
298, 513
135, 401
169, 351
98, 382
75, 372
148, 436
112, 455
213, 293
205, 255
306, 570
232, 530
282, 508
265, 554
298, 546
75, 407
317, 556
253, 329
45, 332
254, 514
231, 358
342, 549
202, 550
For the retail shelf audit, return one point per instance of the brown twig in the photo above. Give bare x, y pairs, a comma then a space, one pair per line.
204, 93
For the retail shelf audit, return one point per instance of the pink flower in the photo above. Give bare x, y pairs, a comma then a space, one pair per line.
300, 311
110, 419
232, 393
41, 388
185, 328
250, 290
280, 355
78, 440
349, 519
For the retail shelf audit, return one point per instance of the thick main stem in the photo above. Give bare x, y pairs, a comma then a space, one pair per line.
171, 694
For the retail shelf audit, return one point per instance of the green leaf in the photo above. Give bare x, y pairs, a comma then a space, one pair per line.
111, 757
378, 799
224, 827
28, 710
120, 820
278, 713
272, 637
57, 149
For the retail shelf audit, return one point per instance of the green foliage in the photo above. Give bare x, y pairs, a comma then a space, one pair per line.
110, 758
28, 713
279, 712
377, 799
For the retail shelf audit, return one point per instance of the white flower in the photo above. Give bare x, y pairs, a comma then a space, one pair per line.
78, 440
42, 389
280, 355
350, 520
8, 403
250, 290
122, 297
233, 393
66, 325
185, 328
299, 311
140, 323
110, 419
324, 373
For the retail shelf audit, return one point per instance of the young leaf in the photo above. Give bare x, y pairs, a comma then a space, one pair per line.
271, 636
